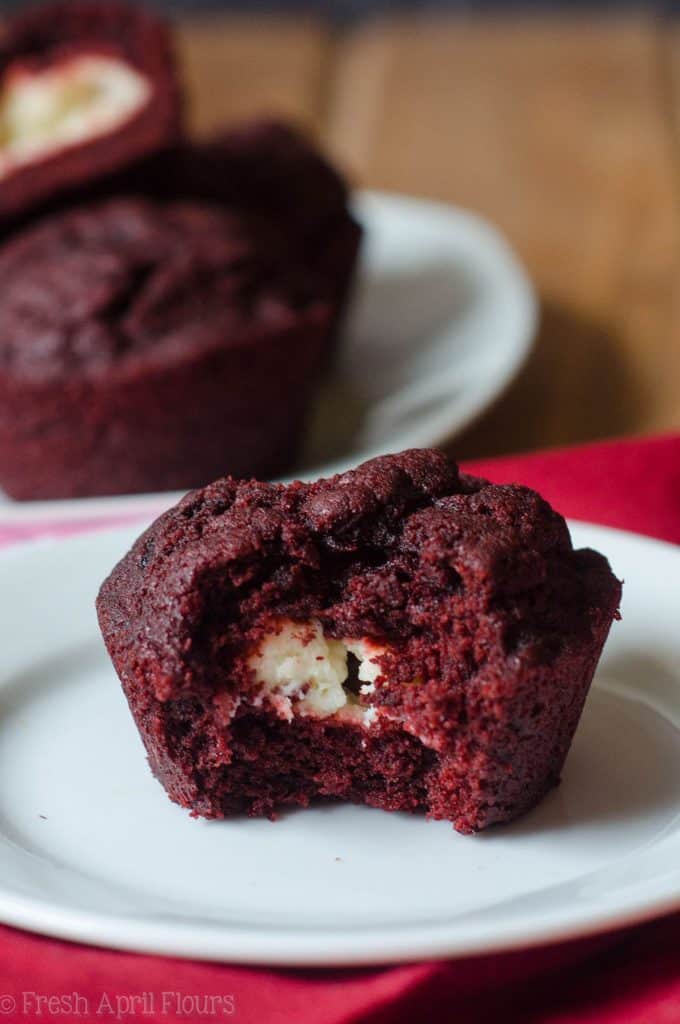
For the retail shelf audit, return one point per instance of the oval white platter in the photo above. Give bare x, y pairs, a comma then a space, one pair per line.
441, 321
91, 849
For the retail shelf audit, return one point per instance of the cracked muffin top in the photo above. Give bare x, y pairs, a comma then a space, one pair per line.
127, 281
403, 550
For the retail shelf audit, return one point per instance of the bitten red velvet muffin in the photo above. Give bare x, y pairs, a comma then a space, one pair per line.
149, 346
86, 88
402, 636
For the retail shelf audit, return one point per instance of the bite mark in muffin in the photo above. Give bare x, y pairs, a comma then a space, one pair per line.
402, 635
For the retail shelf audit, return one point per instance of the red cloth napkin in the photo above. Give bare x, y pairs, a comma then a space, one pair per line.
627, 977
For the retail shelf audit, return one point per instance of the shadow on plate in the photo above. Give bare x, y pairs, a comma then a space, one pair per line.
624, 767
399, 331
577, 386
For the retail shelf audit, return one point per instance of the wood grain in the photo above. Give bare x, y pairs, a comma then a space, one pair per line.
556, 129
238, 67
563, 130
670, 34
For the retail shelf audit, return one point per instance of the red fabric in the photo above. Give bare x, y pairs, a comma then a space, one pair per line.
632, 485
628, 977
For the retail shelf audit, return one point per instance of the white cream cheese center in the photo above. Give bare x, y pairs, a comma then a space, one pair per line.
77, 99
303, 672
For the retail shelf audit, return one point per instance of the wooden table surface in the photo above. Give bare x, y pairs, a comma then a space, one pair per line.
563, 130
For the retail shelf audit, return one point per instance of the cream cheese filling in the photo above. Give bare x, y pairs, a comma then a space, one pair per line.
60, 106
303, 672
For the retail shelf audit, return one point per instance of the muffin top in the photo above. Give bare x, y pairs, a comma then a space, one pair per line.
132, 281
266, 166
396, 551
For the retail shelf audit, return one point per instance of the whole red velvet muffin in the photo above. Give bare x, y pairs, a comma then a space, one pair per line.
401, 636
86, 88
149, 346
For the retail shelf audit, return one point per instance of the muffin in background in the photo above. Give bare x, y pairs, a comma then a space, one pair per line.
87, 88
271, 169
166, 306
268, 168
150, 345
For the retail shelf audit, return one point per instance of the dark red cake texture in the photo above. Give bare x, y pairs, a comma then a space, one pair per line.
98, 394
108, 64
269, 169
454, 627
101, 392
151, 346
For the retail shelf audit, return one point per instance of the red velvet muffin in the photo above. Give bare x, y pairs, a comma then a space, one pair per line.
271, 170
150, 346
401, 636
86, 88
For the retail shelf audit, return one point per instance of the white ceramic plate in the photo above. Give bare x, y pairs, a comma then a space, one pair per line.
442, 320
91, 849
